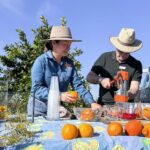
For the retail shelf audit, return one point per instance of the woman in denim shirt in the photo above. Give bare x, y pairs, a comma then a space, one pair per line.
55, 61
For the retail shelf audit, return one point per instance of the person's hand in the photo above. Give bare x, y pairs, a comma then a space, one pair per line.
106, 83
67, 97
95, 106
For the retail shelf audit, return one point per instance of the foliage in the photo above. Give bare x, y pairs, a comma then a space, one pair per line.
63, 21
17, 102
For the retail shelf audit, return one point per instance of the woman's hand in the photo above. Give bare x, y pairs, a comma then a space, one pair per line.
67, 97
95, 106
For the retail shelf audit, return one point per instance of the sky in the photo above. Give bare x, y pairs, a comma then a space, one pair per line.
92, 21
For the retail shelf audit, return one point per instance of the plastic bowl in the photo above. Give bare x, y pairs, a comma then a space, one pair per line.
145, 111
129, 111
87, 114
110, 112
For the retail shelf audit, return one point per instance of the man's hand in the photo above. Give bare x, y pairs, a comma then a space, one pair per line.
105, 82
134, 88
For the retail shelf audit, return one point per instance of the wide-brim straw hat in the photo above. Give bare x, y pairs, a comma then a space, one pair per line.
61, 33
126, 41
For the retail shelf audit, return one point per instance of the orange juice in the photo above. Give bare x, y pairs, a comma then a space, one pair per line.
120, 98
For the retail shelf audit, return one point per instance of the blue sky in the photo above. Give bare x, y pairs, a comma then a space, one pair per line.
91, 21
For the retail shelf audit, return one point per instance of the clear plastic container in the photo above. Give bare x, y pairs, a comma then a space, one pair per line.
145, 111
53, 104
87, 114
110, 112
129, 111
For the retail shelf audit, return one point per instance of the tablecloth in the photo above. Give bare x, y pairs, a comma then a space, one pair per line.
48, 137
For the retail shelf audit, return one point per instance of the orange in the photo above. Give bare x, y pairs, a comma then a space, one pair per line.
133, 128
69, 131
146, 130
115, 129
3, 108
85, 130
146, 112
74, 94
87, 114
3, 111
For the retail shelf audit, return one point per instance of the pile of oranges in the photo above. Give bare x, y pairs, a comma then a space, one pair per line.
132, 128
85, 130
70, 131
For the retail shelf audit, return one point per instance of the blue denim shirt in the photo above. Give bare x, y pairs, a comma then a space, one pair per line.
45, 66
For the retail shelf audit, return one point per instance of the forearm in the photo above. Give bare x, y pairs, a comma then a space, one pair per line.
41, 92
83, 92
132, 93
88, 98
93, 78
78, 86
134, 88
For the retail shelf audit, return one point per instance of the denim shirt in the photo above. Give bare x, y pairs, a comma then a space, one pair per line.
43, 69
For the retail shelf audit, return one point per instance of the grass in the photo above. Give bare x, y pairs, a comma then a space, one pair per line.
16, 130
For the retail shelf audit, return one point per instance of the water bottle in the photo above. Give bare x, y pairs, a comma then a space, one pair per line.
53, 100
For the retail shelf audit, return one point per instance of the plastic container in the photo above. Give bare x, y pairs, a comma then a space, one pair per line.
53, 105
129, 111
145, 111
87, 114
110, 112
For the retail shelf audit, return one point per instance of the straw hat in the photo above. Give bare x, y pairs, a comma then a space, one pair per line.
61, 33
126, 41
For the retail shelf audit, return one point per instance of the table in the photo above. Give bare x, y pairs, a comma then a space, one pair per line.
48, 137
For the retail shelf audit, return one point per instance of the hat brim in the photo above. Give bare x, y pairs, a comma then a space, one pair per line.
64, 39
126, 48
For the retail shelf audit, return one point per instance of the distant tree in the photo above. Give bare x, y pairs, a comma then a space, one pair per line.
20, 56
